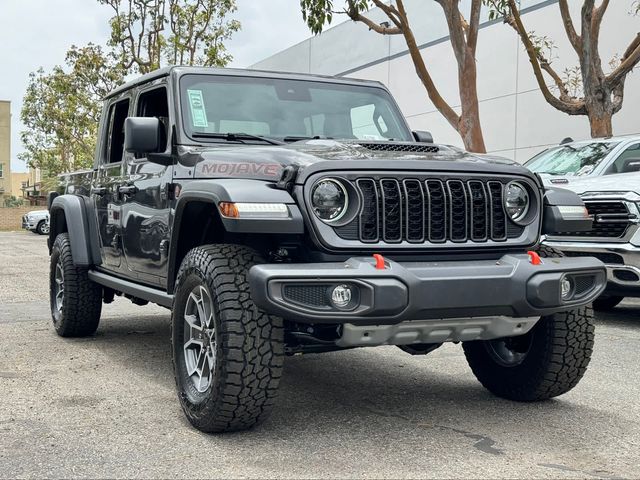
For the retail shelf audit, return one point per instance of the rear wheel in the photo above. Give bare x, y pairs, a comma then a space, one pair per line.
227, 354
76, 301
606, 303
546, 362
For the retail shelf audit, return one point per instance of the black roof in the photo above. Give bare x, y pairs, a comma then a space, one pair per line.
181, 70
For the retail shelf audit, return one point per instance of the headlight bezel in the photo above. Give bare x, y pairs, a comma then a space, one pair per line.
525, 217
345, 209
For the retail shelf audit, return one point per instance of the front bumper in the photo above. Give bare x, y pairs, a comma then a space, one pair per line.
27, 225
622, 261
491, 292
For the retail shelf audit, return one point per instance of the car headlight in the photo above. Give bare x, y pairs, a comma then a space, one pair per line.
329, 200
516, 201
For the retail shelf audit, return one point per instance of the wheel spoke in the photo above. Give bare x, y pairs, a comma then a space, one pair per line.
192, 321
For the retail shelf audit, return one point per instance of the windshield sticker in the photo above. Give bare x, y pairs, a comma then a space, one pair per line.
198, 113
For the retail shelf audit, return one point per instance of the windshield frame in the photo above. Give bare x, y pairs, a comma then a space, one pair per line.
186, 134
611, 145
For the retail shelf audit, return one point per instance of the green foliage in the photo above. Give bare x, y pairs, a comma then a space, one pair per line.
318, 13
13, 201
146, 33
61, 110
497, 8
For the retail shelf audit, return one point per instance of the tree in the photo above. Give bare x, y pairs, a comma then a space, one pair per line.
464, 39
602, 93
61, 110
148, 33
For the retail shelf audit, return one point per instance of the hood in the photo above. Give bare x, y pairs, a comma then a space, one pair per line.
621, 182
268, 162
38, 212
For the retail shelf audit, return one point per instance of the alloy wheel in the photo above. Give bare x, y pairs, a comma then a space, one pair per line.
59, 287
199, 338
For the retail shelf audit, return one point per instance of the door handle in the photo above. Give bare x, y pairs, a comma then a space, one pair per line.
128, 190
100, 191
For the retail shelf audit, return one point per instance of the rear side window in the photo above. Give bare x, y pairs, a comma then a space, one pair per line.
118, 112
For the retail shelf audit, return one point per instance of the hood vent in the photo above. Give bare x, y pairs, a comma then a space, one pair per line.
400, 147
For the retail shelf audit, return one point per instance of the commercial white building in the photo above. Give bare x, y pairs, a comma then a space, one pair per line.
516, 120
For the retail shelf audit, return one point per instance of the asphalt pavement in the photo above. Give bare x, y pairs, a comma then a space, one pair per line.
106, 406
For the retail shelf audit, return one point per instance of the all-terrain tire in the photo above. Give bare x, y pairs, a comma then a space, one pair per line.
42, 228
78, 314
248, 343
558, 353
606, 303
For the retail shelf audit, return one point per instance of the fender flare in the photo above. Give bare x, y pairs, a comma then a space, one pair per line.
71, 213
214, 191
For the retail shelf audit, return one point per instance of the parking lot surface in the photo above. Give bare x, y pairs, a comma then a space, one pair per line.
106, 407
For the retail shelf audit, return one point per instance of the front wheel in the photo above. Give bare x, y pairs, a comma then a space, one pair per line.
546, 362
42, 228
227, 354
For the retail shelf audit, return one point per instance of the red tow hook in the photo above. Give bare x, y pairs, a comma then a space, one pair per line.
534, 258
379, 261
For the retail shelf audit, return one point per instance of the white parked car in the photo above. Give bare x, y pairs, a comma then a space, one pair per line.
37, 221
571, 161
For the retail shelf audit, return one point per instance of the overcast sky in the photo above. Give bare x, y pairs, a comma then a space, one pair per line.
37, 33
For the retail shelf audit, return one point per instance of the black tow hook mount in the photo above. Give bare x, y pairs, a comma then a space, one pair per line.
288, 178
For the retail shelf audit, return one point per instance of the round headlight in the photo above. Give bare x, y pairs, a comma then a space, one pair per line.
516, 201
329, 200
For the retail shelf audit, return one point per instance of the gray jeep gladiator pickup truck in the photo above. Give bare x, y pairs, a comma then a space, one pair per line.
279, 214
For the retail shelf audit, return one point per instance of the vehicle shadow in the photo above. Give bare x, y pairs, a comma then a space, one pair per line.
371, 395
626, 314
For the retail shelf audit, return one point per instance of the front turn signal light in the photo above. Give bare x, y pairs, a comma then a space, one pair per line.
253, 210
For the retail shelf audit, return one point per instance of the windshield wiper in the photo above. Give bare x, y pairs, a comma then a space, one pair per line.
296, 138
237, 137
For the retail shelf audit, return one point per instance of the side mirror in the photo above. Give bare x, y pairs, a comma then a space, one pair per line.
630, 165
142, 134
422, 136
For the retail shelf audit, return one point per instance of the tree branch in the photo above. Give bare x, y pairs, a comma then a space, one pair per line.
474, 25
358, 17
630, 59
421, 69
574, 38
571, 107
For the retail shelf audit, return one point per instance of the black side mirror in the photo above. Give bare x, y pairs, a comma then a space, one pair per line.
630, 165
422, 136
142, 134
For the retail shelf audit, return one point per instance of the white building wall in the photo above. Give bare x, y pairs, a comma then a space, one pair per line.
516, 120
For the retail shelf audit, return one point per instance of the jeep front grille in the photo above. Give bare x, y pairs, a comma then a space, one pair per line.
611, 219
430, 210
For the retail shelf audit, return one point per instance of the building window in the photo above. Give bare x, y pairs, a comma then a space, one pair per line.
1, 170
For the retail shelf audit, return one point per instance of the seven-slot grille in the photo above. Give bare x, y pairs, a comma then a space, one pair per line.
611, 219
430, 210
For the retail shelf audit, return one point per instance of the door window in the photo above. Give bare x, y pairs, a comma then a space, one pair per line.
154, 103
620, 164
118, 112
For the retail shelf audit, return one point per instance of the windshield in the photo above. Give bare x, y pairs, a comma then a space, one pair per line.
287, 110
580, 159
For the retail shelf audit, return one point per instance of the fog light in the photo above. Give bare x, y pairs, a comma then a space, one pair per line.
565, 288
341, 296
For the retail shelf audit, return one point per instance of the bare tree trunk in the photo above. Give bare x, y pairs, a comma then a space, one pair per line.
469, 125
600, 119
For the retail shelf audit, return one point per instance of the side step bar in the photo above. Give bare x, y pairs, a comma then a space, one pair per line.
150, 294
